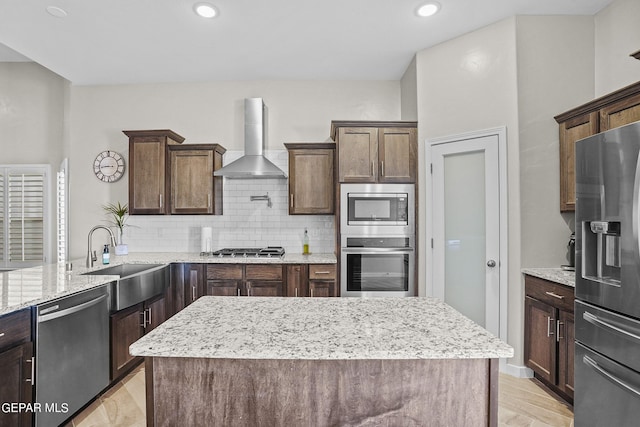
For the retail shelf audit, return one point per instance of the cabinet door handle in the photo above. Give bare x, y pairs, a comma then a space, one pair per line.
559, 327
372, 169
208, 201
238, 291
150, 321
296, 292
31, 380
161, 201
248, 289
549, 320
311, 292
323, 272
291, 200
382, 168
193, 292
144, 319
553, 294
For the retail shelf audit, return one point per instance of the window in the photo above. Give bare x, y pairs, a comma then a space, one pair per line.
23, 215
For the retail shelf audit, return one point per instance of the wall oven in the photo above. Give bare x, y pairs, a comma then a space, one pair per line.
377, 209
377, 266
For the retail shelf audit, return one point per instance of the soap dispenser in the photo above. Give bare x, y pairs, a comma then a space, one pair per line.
105, 254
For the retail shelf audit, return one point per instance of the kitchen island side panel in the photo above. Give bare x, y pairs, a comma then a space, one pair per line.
267, 392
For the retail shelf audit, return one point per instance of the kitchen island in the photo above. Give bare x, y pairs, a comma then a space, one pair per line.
317, 362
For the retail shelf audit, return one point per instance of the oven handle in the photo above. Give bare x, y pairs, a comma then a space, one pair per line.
377, 250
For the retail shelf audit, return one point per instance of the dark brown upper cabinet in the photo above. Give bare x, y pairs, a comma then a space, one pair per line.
166, 177
382, 152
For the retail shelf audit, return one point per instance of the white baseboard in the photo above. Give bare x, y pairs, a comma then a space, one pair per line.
517, 371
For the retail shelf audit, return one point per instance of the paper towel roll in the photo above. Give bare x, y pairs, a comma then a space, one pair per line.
205, 239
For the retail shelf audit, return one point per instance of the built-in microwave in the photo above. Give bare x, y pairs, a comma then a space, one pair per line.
377, 209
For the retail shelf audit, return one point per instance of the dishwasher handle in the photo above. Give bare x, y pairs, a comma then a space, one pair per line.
71, 310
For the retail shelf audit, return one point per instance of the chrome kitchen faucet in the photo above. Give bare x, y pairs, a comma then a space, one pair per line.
91, 255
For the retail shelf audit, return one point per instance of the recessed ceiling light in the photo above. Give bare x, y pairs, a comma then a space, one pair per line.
205, 10
428, 9
56, 11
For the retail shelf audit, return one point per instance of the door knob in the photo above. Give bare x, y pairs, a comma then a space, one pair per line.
491, 263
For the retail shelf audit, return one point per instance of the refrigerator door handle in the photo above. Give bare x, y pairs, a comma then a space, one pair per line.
635, 211
593, 364
595, 320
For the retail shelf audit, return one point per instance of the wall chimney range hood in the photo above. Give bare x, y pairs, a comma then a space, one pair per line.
252, 164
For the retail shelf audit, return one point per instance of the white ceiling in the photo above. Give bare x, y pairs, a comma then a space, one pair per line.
148, 41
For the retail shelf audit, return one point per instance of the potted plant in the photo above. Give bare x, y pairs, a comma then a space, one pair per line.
119, 217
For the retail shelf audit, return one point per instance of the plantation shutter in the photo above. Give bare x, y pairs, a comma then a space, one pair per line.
25, 216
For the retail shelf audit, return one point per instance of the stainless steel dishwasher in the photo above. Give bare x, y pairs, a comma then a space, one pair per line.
72, 353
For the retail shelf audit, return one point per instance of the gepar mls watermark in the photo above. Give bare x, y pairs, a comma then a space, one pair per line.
19, 407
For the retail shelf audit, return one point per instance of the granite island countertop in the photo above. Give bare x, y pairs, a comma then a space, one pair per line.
558, 275
320, 329
36, 285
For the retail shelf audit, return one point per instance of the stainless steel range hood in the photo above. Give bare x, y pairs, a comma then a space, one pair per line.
252, 164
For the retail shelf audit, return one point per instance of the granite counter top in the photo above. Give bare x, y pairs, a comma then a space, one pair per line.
558, 275
320, 329
31, 286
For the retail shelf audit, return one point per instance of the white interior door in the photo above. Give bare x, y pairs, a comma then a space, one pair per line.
466, 227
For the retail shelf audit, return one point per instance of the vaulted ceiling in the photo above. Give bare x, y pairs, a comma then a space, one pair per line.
146, 41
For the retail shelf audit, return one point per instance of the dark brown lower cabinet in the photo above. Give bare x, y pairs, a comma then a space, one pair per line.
16, 367
311, 280
322, 280
549, 334
187, 284
16, 385
128, 326
260, 280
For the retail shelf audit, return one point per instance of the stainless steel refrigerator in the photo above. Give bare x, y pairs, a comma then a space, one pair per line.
607, 311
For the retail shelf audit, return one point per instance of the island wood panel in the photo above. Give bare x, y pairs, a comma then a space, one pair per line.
230, 392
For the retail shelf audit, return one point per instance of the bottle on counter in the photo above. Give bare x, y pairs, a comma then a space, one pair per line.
305, 243
105, 254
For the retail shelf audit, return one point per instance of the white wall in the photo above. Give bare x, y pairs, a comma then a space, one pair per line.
409, 93
617, 35
469, 84
298, 111
555, 73
244, 224
32, 116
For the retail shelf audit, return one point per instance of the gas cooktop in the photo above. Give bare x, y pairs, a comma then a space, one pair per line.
268, 252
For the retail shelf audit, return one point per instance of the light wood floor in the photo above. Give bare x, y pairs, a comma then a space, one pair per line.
521, 403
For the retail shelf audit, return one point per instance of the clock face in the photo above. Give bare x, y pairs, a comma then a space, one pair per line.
108, 166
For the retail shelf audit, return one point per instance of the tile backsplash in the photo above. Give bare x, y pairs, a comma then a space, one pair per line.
243, 224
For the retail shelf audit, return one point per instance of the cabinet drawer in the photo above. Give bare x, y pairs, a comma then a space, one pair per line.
263, 272
223, 272
554, 294
15, 328
322, 271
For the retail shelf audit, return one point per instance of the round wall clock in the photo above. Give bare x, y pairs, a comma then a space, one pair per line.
108, 166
